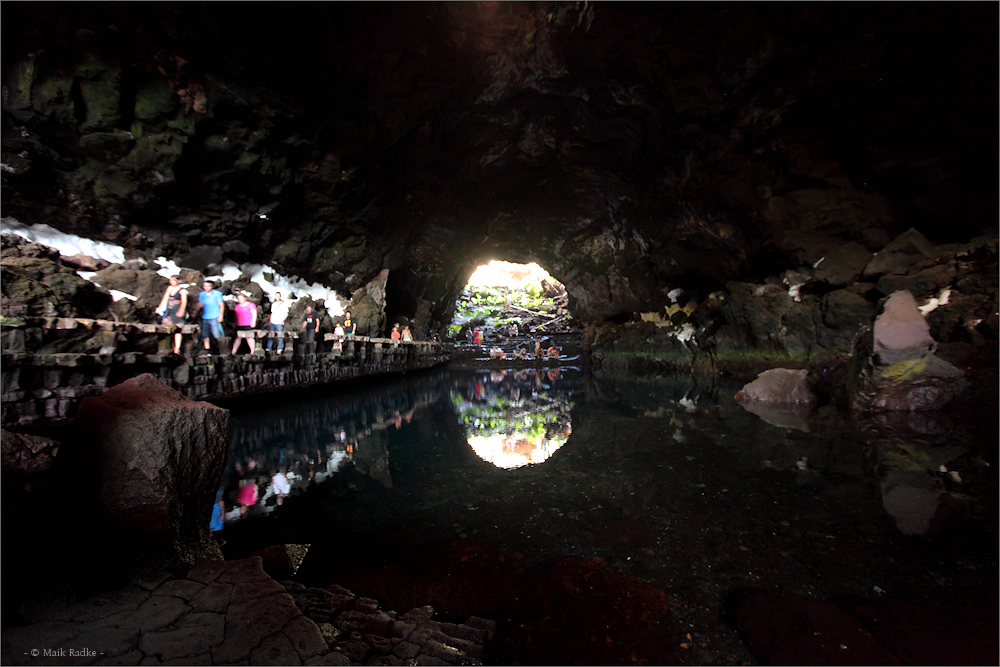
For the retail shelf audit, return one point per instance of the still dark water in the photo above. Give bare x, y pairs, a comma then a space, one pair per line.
464, 488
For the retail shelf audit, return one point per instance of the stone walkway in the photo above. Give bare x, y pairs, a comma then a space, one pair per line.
233, 613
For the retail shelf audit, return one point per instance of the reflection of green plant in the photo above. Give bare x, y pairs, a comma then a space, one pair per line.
534, 419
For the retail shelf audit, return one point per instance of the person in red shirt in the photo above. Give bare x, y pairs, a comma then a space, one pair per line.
395, 332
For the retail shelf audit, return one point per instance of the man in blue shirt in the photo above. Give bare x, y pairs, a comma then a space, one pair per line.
213, 308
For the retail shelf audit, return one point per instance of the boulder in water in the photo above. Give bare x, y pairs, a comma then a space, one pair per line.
778, 385
901, 333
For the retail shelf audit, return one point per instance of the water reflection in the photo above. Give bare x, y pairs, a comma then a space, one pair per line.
514, 418
671, 482
279, 451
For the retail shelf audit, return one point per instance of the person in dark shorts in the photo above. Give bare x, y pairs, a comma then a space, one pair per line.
173, 307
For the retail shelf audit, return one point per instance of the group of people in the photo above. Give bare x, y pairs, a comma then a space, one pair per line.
173, 309
396, 334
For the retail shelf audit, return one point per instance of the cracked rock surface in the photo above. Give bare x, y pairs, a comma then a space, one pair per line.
232, 613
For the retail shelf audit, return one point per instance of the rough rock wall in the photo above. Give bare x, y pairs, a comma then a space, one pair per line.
626, 147
747, 328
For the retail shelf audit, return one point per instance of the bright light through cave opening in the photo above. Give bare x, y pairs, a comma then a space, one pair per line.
512, 311
502, 298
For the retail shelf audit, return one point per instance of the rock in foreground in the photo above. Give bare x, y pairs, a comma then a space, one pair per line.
159, 460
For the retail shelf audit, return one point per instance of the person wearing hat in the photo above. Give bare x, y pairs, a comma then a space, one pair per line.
395, 332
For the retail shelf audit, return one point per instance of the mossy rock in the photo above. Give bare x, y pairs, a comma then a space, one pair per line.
19, 83
107, 146
217, 143
246, 160
370, 318
102, 99
115, 182
155, 151
92, 67
153, 99
52, 92
185, 123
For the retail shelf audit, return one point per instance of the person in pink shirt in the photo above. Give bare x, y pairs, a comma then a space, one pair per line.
246, 319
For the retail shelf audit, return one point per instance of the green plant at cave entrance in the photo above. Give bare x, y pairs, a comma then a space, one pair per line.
501, 294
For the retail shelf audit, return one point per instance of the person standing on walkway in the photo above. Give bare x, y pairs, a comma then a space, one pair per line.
310, 324
394, 334
407, 334
173, 307
212, 310
350, 326
279, 313
246, 320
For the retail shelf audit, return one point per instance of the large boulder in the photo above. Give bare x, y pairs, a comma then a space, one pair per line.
159, 458
778, 385
894, 367
843, 264
35, 283
901, 332
904, 251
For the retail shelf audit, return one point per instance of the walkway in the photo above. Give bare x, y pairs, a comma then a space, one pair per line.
45, 383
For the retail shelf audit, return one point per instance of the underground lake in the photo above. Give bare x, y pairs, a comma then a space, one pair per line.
649, 521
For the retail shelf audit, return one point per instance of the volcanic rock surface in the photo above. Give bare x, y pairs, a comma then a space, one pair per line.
630, 149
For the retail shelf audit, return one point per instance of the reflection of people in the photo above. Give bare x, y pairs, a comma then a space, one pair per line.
173, 307
212, 310
279, 313
246, 320
407, 335
246, 497
310, 324
281, 485
218, 521
350, 326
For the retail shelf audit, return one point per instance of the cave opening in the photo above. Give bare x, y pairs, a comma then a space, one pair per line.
504, 301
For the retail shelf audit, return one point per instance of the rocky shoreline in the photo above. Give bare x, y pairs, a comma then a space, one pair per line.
233, 612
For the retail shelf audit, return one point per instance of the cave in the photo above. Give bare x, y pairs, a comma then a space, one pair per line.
771, 393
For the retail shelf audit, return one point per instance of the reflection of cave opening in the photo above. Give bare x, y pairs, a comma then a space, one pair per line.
510, 418
504, 299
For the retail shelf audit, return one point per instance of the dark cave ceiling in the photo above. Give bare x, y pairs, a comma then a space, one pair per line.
626, 147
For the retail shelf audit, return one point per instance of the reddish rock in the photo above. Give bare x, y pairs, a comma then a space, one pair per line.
160, 458
901, 333
778, 385
82, 262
